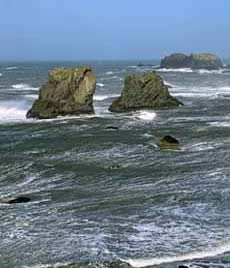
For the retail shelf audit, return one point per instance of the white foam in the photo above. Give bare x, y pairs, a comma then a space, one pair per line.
203, 71
146, 115
181, 70
19, 86
109, 73
11, 68
202, 92
0, 74
104, 97
220, 124
212, 252
100, 85
24, 87
191, 94
12, 111
32, 96
132, 66
168, 84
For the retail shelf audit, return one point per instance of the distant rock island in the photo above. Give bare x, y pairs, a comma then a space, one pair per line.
143, 91
67, 92
194, 61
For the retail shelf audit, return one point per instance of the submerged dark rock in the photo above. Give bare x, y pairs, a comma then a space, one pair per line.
144, 91
115, 166
169, 142
67, 92
112, 127
194, 61
21, 199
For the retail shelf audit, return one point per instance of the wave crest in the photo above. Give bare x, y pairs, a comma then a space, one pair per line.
186, 257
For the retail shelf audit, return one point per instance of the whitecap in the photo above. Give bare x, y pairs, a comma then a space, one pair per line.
168, 84
31, 96
12, 111
24, 87
146, 115
109, 73
100, 85
181, 70
11, 68
19, 86
0, 74
220, 124
132, 66
204, 71
191, 94
212, 252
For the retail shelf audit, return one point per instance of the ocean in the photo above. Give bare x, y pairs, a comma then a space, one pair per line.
100, 195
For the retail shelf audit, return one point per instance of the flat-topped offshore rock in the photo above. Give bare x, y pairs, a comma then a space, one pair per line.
143, 91
194, 61
67, 92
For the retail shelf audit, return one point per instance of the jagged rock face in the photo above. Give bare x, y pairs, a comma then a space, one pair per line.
143, 91
67, 92
193, 61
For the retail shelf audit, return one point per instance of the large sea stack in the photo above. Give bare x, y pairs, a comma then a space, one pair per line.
194, 61
143, 91
67, 92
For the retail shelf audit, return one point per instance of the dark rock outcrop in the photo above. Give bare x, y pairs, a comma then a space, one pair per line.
194, 61
67, 92
169, 142
143, 91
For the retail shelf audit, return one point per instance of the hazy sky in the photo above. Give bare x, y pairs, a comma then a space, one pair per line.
112, 29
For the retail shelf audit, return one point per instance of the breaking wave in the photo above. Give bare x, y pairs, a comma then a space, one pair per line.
12, 111
100, 85
145, 115
186, 257
182, 70
11, 68
24, 87
189, 70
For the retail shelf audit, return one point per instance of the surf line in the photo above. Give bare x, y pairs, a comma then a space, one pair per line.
186, 257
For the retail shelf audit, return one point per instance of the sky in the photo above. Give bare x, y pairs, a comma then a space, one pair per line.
112, 29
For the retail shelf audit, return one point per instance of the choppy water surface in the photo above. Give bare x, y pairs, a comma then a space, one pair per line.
105, 195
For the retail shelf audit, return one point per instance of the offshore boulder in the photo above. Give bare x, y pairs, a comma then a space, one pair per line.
194, 61
144, 91
169, 142
69, 91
